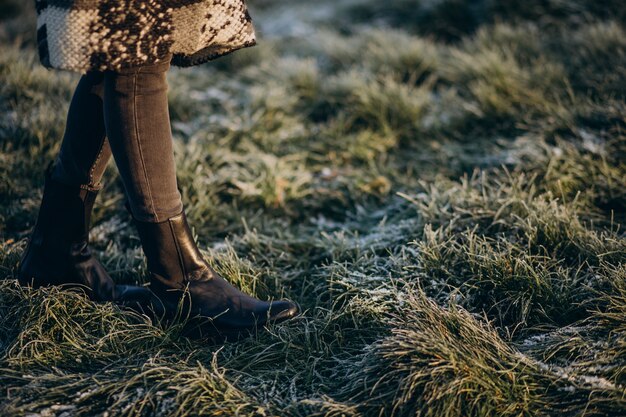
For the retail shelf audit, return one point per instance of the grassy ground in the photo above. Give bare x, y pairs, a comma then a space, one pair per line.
441, 184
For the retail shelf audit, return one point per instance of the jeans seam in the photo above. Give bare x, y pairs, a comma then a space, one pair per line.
143, 164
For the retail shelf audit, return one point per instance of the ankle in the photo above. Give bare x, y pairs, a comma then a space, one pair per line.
171, 252
148, 214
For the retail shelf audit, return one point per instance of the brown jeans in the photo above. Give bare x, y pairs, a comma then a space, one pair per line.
123, 114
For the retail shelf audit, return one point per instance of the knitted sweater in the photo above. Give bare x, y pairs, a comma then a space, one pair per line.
83, 35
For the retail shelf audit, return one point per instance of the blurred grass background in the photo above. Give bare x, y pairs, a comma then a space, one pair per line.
441, 184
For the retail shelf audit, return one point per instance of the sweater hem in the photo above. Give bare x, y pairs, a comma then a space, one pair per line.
209, 53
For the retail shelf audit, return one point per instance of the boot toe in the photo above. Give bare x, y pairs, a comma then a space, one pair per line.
132, 294
283, 310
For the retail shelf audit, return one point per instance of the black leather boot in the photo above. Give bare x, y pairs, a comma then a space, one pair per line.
183, 283
58, 250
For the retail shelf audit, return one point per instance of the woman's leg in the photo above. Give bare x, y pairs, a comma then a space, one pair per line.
58, 252
137, 122
138, 127
85, 150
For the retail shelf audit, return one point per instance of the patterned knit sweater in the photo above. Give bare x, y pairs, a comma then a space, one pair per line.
83, 35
